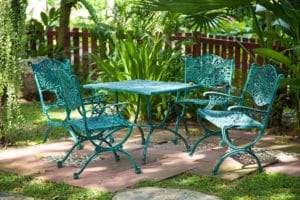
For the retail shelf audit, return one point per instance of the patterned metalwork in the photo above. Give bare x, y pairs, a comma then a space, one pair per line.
208, 71
260, 85
259, 91
95, 128
47, 81
147, 88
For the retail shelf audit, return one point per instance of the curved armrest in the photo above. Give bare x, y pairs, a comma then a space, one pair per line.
249, 111
246, 109
219, 98
220, 94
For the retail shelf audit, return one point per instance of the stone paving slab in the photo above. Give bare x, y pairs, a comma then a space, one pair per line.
4, 196
106, 174
164, 160
154, 193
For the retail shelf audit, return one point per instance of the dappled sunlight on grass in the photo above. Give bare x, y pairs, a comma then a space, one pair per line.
254, 186
35, 124
39, 189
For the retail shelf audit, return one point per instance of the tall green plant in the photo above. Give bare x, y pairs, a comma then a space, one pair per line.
37, 37
286, 32
281, 24
145, 58
12, 34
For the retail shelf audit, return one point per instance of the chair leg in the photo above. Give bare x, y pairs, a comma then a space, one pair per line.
237, 150
114, 147
217, 166
142, 135
180, 117
46, 134
70, 130
119, 147
187, 131
100, 149
53, 124
60, 162
77, 174
260, 167
207, 133
203, 137
132, 160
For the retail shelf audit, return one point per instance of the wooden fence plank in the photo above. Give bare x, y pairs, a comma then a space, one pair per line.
81, 42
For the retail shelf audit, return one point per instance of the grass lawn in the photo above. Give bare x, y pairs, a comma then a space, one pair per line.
254, 186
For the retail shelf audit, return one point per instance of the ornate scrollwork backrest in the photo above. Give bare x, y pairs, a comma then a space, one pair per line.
209, 70
261, 84
70, 89
46, 78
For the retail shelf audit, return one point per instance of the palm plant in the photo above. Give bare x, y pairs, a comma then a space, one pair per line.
144, 58
135, 51
286, 31
282, 25
203, 15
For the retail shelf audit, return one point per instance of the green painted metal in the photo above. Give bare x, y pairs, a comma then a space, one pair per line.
209, 71
46, 81
148, 88
259, 92
96, 128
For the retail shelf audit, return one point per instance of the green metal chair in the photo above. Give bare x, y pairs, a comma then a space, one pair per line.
47, 82
250, 111
211, 72
97, 128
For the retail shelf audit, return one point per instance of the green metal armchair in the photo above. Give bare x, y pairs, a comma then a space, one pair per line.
96, 128
251, 110
47, 81
210, 71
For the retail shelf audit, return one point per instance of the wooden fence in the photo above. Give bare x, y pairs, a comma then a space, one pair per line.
227, 47
81, 42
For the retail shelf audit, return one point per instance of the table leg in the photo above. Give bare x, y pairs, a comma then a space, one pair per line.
160, 126
151, 128
136, 117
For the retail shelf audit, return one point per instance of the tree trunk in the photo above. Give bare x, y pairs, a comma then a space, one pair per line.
65, 12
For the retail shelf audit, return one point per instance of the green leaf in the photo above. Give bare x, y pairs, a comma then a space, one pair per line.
294, 84
270, 53
44, 18
52, 13
38, 26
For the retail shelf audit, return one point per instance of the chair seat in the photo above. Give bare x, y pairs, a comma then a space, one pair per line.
103, 122
235, 119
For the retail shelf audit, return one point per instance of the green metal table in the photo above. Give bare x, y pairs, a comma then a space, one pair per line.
147, 88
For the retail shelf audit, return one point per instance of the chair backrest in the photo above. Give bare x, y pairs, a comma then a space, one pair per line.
261, 86
209, 70
46, 79
70, 90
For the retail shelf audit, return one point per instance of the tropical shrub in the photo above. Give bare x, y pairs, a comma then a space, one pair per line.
12, 32
146, 58
37, 35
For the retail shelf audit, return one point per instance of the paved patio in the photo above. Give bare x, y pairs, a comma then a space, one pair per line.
165, 160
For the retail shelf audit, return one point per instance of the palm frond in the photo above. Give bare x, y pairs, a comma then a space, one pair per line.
190, 6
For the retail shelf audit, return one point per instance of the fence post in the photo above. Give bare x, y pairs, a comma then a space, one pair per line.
197, 46
76, 47
85, 50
